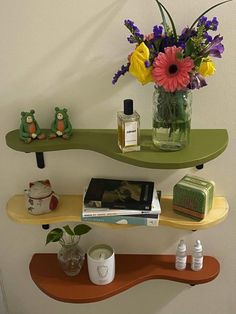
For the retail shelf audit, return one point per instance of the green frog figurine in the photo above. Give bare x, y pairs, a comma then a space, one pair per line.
29, 128
61, 126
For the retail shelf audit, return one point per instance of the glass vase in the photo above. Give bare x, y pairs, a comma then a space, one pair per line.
171, 119
71, 257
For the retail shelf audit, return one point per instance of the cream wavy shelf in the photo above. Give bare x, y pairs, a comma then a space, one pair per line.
205, 145
70, 206
130, 271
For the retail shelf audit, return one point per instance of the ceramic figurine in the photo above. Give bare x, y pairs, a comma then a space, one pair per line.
40, 198
29, 128
61, 126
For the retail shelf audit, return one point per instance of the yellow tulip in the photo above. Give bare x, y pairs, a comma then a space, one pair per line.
207, 67
137, 66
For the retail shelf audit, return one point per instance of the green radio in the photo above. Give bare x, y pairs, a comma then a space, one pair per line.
193, 197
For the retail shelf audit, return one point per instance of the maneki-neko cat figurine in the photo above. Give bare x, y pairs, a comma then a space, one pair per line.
40, 198
61, 126
29, 128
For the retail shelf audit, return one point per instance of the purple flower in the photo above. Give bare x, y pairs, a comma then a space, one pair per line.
122, 71
215, 23
136, 36
196, 81
216, 51
207, 37
157, 31
130, 25
167, 41
185, 35
147, 64
208, 24
131, 39
215, 48
181, 44
202, 21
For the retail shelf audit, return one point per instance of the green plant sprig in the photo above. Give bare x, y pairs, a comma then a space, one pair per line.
56, 235
161, 6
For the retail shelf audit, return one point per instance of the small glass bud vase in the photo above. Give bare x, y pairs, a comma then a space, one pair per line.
171, 119
71, 257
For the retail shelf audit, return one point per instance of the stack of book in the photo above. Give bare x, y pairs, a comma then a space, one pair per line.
121, 202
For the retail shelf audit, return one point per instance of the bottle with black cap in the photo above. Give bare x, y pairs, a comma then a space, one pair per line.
128, 128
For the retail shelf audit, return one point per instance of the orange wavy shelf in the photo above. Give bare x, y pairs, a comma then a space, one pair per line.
130, 271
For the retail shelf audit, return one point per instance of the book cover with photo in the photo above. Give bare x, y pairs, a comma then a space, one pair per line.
120, 194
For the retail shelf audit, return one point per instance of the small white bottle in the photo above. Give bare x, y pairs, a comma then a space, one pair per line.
197, 256
181, 256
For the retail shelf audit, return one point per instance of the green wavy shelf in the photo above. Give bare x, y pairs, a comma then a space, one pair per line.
205, 145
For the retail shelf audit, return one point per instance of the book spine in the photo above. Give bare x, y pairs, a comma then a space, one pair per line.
116, 213
128, 206
124, 220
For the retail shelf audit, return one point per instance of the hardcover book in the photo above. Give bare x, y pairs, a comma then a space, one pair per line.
99, 212
120, 194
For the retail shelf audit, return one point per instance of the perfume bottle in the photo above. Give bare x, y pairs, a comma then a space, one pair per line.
128, 128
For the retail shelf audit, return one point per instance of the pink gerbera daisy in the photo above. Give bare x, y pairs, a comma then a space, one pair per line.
170, 72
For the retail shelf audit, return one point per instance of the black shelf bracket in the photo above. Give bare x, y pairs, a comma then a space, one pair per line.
46, 227
199, 167
40, 160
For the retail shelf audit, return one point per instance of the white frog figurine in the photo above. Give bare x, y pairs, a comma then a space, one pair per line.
40, 199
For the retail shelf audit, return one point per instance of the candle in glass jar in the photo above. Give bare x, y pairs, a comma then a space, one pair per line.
101, 264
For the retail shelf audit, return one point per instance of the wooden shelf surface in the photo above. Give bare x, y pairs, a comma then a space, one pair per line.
70, 206
205, 145
130, 271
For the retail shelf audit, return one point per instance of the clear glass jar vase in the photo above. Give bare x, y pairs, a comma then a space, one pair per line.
171, 119
71, 257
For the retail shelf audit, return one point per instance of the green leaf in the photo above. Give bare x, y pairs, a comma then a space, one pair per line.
189, 48
81, 229
197, 61
179, 56
214, 6
54, 235
68, 230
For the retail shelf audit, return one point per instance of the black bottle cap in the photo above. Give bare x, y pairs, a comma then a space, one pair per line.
128, 106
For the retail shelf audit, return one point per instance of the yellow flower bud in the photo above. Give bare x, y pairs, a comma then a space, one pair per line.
207, 67
137, 66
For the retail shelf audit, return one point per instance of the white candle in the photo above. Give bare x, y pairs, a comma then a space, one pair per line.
101, 264
100, 251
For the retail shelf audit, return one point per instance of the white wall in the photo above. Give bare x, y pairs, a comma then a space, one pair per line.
64, 53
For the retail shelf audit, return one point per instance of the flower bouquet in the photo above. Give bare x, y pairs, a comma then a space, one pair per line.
176, 64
